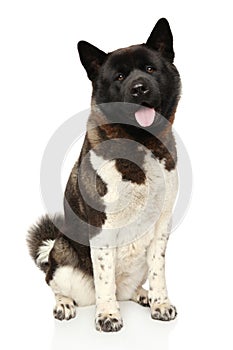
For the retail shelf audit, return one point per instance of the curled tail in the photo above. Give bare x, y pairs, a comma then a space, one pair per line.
41, 238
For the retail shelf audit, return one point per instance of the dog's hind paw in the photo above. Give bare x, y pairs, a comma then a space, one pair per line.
141, 297
64, 309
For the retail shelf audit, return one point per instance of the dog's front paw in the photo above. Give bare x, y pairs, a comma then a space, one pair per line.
108, 322
163, 312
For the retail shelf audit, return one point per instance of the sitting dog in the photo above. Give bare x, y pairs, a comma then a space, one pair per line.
120, 195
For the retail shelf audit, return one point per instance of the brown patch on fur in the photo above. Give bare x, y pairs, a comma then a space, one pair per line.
51, 269
130, 171
172, 118
130, 165
92, 188
67, 252
114, 131
99, 130
101, 186
63, 253
164, 149
162, 146
93, 137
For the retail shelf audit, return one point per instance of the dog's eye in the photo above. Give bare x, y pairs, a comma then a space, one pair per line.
150, 69
120, 77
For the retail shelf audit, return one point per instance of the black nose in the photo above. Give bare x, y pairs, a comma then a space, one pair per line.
139, 90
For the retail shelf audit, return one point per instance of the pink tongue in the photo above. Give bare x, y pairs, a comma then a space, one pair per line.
145, 116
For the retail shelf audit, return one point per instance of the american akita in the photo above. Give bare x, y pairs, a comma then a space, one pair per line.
120, 194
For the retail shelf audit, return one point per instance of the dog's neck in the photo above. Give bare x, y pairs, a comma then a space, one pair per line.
161, 143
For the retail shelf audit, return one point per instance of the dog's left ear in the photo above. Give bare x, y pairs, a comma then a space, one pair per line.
161, 39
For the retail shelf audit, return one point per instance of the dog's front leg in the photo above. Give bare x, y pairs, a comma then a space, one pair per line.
161, 308
108, 318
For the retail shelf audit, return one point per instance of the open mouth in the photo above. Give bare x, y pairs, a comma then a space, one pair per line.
145, 115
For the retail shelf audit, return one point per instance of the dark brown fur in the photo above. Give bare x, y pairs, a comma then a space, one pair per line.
45, 228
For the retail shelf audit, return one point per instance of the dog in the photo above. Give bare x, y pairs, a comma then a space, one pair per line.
120, 195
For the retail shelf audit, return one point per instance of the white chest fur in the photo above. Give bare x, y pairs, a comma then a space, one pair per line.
133, 209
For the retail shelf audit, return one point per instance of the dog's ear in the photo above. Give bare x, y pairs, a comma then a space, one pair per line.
161, 39
91, 57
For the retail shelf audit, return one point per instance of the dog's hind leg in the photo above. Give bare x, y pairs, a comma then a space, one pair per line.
140, 296
64, 308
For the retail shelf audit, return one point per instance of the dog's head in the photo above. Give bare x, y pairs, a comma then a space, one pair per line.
143, 77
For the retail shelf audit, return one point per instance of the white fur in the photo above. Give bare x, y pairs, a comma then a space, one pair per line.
72, 283
158, 294
44, 250
104, 273
131, 209
105, 286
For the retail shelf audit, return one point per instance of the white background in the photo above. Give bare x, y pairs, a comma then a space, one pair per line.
42, 84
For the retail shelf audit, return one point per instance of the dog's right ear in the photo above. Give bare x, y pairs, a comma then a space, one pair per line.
91, 57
